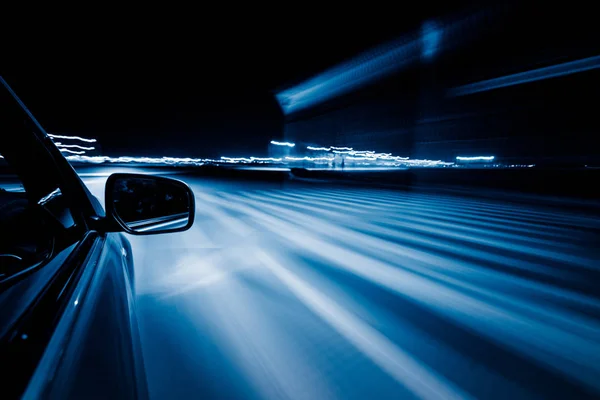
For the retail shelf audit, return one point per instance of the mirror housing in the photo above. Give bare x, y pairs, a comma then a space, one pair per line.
148, 205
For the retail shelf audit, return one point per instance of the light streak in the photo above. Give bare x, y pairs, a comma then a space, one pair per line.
72, 151
372, 160
431, 39
478, 158
265, 159
55, 193
392, 359
141, 160
362, 158
352, 160
351, 75
494, 304
370, 329
72, 138
371, 155
251, 159
309, 158
391, 168
276, 143
76, 146
375, 64
236, 159
539, 74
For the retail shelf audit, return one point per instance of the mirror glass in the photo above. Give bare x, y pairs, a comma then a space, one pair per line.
147, 204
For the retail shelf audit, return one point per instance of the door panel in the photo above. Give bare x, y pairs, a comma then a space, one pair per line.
99, 356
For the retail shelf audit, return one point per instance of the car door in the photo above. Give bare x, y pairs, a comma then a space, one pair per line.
70, 329
95, 350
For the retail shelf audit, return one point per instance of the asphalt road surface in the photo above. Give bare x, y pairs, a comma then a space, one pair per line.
305, 291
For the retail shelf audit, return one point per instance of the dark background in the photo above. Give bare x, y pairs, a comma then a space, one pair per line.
410, 113
201, 83
186, 82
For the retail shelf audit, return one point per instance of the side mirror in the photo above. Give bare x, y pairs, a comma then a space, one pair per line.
148, 205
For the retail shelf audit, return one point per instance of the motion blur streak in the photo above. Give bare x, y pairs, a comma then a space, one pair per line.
71, 151
276, 143
73, 146
376, 64
53, 136
376, 346
553, 71
478, 158
506, 326
350, 76
314, 291
135, 160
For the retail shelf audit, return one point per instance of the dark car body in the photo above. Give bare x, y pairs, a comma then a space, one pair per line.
68, 326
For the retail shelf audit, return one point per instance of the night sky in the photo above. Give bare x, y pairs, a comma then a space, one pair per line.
190, 87
202, 85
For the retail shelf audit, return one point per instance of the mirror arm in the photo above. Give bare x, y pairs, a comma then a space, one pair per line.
104, 224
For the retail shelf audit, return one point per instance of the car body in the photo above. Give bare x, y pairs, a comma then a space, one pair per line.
68, 328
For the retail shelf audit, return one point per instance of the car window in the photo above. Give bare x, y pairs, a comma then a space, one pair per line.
9, 180
32, 229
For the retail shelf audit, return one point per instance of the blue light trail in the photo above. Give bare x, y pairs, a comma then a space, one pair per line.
347, 293
378, 63
553, 71
342, 292
350, 75
431, 39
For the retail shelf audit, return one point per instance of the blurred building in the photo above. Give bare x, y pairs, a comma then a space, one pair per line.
516, 82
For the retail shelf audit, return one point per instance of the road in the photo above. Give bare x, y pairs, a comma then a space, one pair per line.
304, 291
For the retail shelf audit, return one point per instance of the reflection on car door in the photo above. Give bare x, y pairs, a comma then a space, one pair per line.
95, 350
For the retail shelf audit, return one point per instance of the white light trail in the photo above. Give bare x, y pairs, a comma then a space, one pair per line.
141, 160
365, 162
283, 143
251, 159
72, 138
73, 146
309, 158
72, 151
236, 159
341, 148
350, 159
378, 159
478, 158
265, 159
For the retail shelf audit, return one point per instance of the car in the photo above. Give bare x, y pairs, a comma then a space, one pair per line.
68, 326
